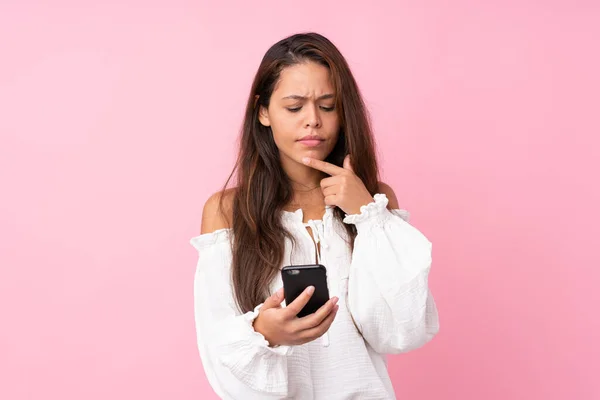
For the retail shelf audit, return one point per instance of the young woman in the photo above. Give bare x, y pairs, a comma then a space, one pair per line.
308, 191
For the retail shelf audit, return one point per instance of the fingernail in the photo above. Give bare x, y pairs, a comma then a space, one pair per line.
310, 289
305, 160
335, 300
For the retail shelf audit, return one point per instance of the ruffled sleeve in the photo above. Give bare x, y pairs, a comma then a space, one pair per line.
237, 360
388, 293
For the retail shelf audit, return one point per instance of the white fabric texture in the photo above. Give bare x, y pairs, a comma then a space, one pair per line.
385, 308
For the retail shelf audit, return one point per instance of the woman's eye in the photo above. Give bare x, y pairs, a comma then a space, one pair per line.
327, 109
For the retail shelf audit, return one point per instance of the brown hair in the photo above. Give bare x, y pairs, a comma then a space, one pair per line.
263, 188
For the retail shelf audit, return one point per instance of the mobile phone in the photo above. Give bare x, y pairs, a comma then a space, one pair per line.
296, 278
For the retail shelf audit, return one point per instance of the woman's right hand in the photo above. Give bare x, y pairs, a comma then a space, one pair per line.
281, 326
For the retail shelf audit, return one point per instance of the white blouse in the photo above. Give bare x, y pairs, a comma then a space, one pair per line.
385, 306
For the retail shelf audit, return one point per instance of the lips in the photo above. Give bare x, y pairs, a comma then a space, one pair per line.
311, 137
311, 142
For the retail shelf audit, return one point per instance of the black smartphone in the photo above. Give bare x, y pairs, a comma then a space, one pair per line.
296, 278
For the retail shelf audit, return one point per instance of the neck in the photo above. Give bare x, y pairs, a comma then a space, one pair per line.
306, 184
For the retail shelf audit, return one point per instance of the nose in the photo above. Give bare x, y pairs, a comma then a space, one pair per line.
312, 118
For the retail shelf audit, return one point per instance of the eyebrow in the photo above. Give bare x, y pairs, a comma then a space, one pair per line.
298, 97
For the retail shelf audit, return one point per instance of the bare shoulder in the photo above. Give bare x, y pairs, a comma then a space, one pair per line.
216, 214
389, 192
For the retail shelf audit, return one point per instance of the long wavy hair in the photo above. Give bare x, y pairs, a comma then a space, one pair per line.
263, 188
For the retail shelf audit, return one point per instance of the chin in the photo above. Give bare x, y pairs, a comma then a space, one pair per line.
316, 154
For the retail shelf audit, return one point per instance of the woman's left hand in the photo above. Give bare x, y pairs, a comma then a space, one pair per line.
343, 189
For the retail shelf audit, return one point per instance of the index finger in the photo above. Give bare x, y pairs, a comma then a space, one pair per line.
324, 166
298, 304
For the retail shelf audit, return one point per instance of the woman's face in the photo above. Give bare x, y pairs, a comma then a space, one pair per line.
303, 104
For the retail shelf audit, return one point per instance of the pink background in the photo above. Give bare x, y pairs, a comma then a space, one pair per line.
118, 121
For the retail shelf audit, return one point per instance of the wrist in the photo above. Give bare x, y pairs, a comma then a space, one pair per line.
357, 209
373, 213
258, 328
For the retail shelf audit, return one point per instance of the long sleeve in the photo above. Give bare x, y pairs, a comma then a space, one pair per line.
388, 293
237, 360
